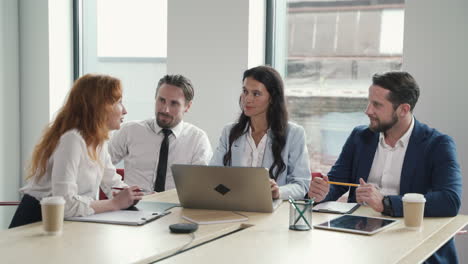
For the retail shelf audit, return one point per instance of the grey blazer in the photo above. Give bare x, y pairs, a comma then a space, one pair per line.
294, 180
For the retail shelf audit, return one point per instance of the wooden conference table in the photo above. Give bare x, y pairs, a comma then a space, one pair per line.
263, 238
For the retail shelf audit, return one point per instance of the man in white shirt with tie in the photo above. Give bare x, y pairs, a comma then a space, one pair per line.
150, 147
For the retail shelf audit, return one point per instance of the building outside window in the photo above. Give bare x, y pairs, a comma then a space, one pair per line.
327, 52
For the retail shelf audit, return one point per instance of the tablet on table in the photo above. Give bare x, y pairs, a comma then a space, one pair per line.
357, 224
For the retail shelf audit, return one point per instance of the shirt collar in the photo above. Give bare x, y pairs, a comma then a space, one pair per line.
175, 130
250, 131
403, 141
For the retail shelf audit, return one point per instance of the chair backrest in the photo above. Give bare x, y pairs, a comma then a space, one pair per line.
316, 174
102, 195
9, 203
313, 174
121, 172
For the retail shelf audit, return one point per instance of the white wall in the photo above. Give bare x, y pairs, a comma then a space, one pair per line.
9, 108
46, 63
34, 78
208, 41
34, 73
436, 54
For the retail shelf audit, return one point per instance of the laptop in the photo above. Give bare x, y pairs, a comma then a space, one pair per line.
224, 188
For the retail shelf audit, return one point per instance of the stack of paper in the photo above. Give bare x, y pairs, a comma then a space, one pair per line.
205, 217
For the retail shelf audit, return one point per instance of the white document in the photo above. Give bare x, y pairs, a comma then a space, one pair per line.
335, 207
207, 217
122, 217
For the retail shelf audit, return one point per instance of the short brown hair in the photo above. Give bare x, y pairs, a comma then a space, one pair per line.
402, 86
180, 81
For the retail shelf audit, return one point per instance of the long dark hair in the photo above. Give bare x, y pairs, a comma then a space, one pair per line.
277, 117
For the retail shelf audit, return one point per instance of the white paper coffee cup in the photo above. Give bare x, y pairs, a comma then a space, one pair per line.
413, 210
52, 209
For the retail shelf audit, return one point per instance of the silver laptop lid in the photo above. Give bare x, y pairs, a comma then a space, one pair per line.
223, 188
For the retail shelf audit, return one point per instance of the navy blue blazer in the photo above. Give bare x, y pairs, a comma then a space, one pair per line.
430, 167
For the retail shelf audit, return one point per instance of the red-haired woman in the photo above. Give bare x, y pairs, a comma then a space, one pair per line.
71, 159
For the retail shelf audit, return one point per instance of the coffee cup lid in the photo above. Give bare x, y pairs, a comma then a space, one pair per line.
53, 200
414, 198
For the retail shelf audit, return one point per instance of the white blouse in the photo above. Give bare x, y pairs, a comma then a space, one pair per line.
253, 154
72, 173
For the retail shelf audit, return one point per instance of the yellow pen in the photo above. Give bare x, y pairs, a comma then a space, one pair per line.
344, 184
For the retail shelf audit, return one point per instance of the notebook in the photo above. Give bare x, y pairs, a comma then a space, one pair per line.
122, 217
206, 217
136, 215
224, 188
336, 207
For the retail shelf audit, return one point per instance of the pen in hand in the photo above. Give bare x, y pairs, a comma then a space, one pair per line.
120, 189
137, 193
344, 183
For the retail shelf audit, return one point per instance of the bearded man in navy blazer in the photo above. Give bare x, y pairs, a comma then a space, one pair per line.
394, 155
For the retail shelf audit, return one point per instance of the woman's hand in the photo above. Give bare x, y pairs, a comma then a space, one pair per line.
275, 193
127, 197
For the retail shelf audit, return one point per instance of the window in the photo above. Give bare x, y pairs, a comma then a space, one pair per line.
125, 39
327, 52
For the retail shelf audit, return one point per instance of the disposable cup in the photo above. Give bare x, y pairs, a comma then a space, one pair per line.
413, 210
52, 209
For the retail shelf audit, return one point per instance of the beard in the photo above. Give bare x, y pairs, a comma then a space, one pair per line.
163, 123
382, 127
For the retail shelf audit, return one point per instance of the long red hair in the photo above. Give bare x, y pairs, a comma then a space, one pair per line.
86, 109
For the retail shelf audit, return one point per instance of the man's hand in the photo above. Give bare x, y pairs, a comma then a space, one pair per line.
319, 188
368, 194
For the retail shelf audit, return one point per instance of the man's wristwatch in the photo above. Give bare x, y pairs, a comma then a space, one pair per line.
387, 206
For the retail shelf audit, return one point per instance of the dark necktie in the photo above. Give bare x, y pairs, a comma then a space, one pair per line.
160, 183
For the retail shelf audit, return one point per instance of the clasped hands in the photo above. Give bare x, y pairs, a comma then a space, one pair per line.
366, 193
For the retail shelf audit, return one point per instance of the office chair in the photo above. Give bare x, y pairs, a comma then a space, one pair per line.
316, 174
15, 203
102, 195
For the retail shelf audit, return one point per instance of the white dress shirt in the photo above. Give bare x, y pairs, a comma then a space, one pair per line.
253, 154
138, 143
72, 173
388, 163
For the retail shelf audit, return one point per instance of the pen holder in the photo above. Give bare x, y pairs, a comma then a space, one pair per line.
300, 215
